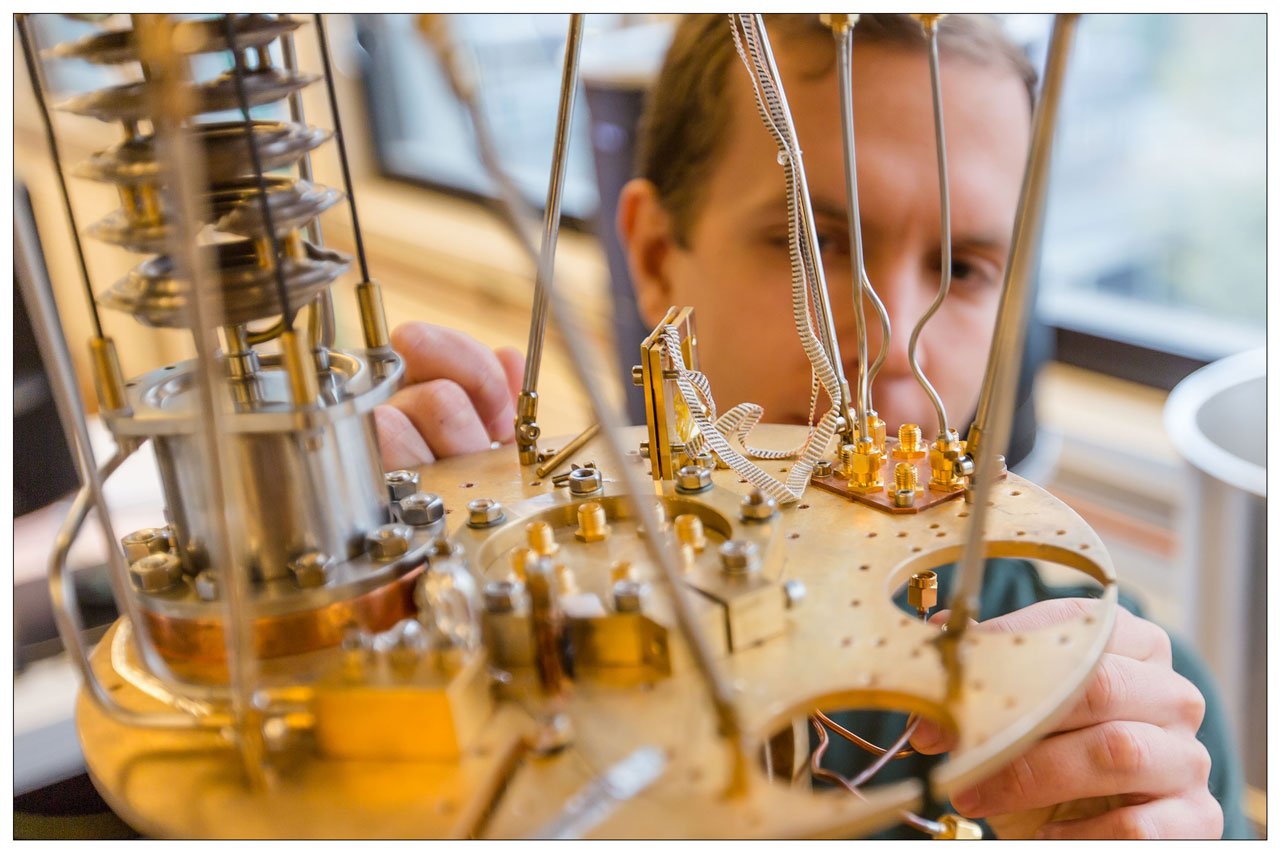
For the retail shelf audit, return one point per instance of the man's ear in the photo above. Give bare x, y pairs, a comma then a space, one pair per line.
645, 228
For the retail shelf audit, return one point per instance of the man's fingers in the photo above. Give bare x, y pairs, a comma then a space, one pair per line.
1195, 816
401, 444
1122, 688
434, 352
512, 361
1100, 761
442, 412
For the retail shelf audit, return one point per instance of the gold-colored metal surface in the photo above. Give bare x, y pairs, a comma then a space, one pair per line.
373, 319
107, 378
845, 645
665, 413
956, 828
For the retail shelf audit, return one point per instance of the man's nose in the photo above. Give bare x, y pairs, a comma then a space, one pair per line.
904, 301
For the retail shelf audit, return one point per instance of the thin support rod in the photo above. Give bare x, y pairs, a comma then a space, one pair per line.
551, 220
944, 198
342, 146
323, 304
579, 441
238, 72
1003, 363
844, 73
660, 544
33, 71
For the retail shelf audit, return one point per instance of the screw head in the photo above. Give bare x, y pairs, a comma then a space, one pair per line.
388, 541
822, 468
484, 512
627, 594
739, 556
156, 572
758, 506
904, 497
692, 478
585, 481
421, 508
795, 591
312, 568
207, 585
503, 596
140, 543
401, 484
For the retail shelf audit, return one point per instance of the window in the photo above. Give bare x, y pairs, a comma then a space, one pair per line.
1156, 224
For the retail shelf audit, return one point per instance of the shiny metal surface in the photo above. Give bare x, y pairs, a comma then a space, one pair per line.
129, 101
201, 36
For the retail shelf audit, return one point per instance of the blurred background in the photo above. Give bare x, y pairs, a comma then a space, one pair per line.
1154, 268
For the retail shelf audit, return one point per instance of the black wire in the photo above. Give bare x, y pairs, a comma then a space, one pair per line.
238, 74
33, 72
342, 146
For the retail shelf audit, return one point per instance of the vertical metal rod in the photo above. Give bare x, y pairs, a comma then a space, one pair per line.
944, 198
547, 257
844, 72
342, 146
238, 72
1003, 363
323, 304
171, 104
33, 71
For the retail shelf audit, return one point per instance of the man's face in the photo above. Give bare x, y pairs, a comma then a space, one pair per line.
736, 270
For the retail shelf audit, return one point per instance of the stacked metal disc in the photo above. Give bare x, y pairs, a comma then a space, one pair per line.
242, 256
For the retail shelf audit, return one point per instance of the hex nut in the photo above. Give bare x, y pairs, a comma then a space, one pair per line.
156, 572
207, 585
758, 506
503, 596
821, 469
388, 541
442, 548
585, 481
140, 543
312, 568
484, 512
627, 595
739, 556
421, 508
795, 591
401, 484
692, 479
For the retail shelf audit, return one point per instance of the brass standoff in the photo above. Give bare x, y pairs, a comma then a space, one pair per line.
621, 570
689, 531
948, 464
373, 320
527, 429
910, 444
520, 558
922, 592
545, 624
566, 580
300, 367
659, 509
956, 828
906, 484
140, 543
876, 426
864, 464
845, 469
627, 596
592, 526
542, 538
107, 378
688, 556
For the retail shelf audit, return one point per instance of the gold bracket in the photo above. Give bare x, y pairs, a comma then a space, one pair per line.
656, 375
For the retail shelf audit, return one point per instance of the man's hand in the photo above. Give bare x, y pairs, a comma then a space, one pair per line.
1123, 763
459, 397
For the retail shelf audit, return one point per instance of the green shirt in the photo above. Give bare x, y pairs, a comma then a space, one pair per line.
1010, 585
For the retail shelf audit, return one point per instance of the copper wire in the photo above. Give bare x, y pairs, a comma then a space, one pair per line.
863, 742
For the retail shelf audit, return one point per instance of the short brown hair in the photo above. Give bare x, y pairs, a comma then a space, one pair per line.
686, 111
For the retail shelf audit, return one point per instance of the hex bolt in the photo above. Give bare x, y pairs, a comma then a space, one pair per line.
421, 509
689, 530
207, 585
312, 568
502, 596
795, 591
626, 595
739, 557
592, 524
821, 469
758, 506
140, 543
692, 479
388, 542
401, 484
585, 481
542, 538
156, 572
922, 592
484, 512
